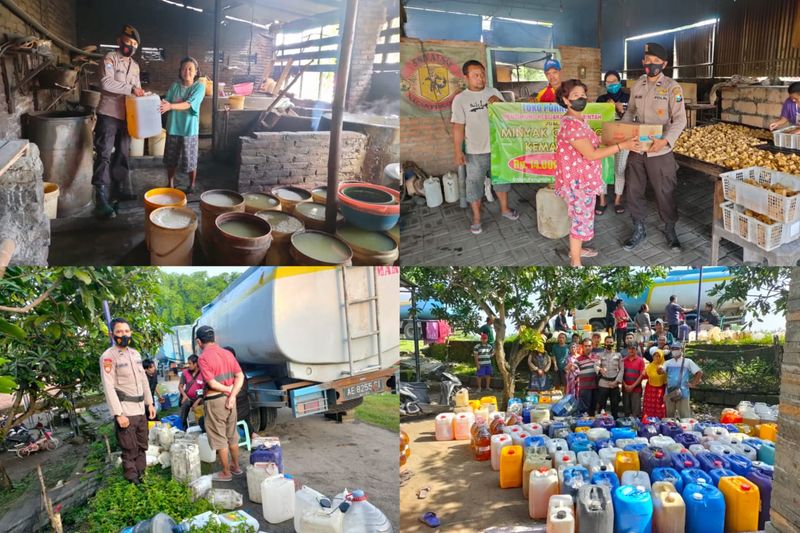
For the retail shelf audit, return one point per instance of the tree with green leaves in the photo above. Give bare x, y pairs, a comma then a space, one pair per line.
526, 296
182, 296
53, 330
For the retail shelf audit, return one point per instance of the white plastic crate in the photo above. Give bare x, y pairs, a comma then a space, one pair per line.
765, 236
763, 201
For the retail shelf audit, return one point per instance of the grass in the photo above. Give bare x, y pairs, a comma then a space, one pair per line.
382, 410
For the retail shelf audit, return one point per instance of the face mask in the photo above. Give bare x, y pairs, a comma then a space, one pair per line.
127, 50
614, 88
653, 69
579, 104
122, 340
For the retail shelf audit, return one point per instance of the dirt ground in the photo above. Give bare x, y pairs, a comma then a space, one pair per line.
329, 457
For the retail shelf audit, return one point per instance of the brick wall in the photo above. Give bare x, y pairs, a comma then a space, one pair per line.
180, 32
428, 141
753, 106
371, 15
784, 510
59, 17
574, 57
268, 159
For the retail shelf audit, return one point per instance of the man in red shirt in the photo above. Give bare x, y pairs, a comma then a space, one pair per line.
224, 378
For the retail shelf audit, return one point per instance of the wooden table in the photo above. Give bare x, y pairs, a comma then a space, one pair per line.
784, 255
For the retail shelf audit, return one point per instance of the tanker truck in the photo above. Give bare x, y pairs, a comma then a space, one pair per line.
314, 339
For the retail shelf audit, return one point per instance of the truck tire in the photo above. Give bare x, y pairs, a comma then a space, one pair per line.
597, 324
346, 406
263, 418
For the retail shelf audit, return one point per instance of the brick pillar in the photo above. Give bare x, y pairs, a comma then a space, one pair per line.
371, 15
785, 508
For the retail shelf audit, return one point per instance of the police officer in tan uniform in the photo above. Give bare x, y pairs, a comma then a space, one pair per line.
119, 78
655, 99
127, 395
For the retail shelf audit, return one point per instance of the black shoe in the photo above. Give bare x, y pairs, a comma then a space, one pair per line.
102, 209
672, 238
637, 237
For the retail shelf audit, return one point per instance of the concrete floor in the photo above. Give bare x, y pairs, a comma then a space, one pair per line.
441, 236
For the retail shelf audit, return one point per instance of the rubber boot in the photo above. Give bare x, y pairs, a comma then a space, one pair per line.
102, 209
672, 237
637, 237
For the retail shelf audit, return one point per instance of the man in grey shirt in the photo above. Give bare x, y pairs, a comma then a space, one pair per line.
673, 313
470, 120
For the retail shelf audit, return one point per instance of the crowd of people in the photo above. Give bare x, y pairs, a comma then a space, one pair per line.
653, 99
213, 379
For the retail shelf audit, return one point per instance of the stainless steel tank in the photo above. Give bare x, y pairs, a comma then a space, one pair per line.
64, 139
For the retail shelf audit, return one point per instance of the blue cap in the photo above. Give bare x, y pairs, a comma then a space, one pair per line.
551, 63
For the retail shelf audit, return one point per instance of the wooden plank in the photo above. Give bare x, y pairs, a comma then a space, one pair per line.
284, 75
10, 151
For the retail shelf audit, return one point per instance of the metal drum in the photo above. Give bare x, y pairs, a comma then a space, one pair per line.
64, 139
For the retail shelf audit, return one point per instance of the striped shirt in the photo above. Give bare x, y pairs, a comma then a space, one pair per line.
484, 353
587, 373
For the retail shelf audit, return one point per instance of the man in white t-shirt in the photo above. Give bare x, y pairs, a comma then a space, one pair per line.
470, 120
680, 378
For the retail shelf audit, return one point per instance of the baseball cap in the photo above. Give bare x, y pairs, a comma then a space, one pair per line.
551, 63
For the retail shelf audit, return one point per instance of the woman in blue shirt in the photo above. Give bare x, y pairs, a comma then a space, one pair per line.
619, 97
182, 102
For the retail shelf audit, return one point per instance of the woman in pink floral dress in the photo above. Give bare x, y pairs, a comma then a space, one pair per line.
578, 177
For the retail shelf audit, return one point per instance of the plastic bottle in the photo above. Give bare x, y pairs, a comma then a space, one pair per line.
363, 517
669, 510
160, 523
277, 498
483, 445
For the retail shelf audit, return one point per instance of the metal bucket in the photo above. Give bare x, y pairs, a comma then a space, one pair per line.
64, 139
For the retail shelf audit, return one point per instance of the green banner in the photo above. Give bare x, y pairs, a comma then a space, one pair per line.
523, 137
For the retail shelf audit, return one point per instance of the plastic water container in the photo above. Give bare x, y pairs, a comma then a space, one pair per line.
306, 500
626, 461
717, 473
498, 442
710, 460
742, 503
705, 508
633, 509
461, 424
669, 511
764, 484
683, 460
595, 509
695, 475
767, 453
667, 474
652, 457
363, 517
277, 499
589, 460
143, 115
542, 484
561, 514
622, 433
207, 454
572, 479
596, 434
557, 445
444, 426
608, 478
185, 460
450, 184
661, 441
636, 478
433, 192
511, 467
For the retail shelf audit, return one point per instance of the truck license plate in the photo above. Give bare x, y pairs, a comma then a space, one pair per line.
362, 389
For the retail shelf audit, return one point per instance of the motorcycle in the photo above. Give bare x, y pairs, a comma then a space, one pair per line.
46, 441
